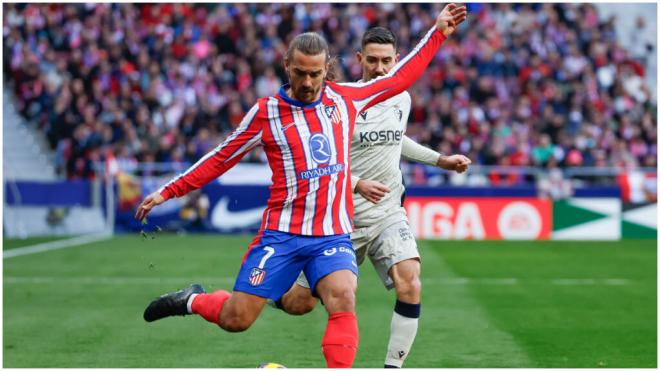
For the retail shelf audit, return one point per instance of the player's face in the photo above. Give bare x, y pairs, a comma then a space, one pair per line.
306, 75
377, 60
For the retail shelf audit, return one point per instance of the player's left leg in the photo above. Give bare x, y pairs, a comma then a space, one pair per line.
405, 318
396, 260
299, 299
332, 274
341, 338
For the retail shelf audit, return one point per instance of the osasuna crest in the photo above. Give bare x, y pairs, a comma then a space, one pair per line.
398, 112
256, 276
333, 113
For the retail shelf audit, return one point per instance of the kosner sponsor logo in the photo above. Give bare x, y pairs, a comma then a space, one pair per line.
381, 136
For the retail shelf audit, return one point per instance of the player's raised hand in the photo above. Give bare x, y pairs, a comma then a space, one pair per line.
457, 163
372, 190
145, 207
450, 17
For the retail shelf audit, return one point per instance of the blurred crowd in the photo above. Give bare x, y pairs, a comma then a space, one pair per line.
522, 85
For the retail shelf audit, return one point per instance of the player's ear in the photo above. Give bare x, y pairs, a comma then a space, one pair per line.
359, 56
326, 71
396, 58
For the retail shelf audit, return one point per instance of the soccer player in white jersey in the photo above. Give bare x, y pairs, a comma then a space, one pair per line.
381, 225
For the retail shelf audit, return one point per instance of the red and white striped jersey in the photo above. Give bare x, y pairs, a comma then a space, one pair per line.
307, 146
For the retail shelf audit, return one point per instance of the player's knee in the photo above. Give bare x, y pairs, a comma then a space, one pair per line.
235, 322
341, 299
300, 306
409, 287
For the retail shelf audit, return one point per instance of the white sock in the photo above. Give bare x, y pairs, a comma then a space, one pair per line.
402, 334
189, 303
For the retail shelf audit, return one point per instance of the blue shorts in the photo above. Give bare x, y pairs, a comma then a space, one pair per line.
273, 264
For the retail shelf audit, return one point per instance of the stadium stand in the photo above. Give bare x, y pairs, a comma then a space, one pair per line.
544, 85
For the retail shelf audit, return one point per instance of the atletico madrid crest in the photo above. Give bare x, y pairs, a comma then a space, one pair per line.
333, 113
256, 276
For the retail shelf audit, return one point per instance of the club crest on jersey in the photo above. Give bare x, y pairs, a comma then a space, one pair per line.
398, 113
256, 276
333, 114
363, 114
320, 148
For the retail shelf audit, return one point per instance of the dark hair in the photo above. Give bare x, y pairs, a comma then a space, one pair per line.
378, 35
311, 43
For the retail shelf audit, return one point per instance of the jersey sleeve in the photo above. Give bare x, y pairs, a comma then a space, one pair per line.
354, 181
219, 160
414, 151
400, 77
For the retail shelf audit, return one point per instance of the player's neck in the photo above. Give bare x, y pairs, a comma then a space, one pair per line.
290, 96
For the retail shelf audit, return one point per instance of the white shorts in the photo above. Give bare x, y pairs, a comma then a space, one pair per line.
387, 242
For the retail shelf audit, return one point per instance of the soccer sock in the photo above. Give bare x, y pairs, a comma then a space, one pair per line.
340, 340
208, 306
402, 333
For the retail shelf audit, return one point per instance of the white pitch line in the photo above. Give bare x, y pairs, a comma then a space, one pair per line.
114, 280
460, 281
590, 281
516, 281
54, 245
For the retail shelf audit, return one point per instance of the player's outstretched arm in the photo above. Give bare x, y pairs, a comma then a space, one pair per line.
450, 17
212, 165
414, 151
457, 163
409, 69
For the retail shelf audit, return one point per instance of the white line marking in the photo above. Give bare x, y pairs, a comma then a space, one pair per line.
54, 245
590, 281
115, 280
458, 281
516, 281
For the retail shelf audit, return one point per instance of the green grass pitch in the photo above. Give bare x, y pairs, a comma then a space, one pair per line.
484, 304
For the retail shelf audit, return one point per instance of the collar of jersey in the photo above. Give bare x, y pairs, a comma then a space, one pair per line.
296, 102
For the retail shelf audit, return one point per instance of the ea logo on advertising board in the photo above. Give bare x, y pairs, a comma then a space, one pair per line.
320, 147
519, 221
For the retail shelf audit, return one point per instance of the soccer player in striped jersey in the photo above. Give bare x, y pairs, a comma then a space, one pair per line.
381, 226
305, 131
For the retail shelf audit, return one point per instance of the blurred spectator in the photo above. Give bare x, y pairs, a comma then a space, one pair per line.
521, 84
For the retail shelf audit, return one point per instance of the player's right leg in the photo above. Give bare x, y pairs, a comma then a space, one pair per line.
269, 268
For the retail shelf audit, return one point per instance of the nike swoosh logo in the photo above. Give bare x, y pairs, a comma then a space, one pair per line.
223, 218
288, 126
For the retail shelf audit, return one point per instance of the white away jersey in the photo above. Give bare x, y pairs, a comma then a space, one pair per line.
376, 153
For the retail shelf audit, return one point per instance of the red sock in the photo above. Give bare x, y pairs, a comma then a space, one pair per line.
209, 306
340, 341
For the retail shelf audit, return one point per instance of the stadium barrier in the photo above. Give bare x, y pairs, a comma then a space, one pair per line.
235, 203
623, 208
59, 208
